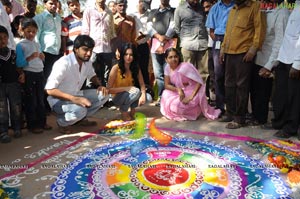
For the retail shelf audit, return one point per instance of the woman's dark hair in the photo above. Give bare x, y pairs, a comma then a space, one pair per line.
83, 40
27, 22
176, 51
15, 23
134, 68
3, 30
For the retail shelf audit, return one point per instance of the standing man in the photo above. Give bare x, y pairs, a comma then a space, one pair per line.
160, 26
125, 26
287, 83
143, 50
216, 22
190, 26
265, 60
245, 32
68, 101
98, 23
49, 34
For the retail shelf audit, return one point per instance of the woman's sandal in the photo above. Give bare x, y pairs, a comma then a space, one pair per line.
233, 125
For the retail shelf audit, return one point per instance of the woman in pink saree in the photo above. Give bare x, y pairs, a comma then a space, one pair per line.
184, 95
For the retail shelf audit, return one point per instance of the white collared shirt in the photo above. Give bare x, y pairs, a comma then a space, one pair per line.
277, 20
66, 76
289, 52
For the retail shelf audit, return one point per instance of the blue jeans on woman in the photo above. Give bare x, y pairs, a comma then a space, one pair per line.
69, 113
126, 100
10, 100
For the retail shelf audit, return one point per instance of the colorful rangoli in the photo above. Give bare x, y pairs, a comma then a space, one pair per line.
185, 168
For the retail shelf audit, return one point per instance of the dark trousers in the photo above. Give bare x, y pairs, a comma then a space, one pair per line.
260, 93
219, 71
50, 59
280, 98
34, 99
210, 81
237, 85
10, 100
103, 65
293, 118
144, 53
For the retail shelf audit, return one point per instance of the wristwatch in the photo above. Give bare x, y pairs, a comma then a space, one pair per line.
162, 44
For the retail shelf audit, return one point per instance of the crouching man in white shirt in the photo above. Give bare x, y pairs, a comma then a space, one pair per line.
68, 101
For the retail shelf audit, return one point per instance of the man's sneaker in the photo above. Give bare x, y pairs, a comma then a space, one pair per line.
17, 133
4, 138
86, 122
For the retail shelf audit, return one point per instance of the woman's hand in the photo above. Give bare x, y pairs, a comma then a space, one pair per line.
186, 100
142, 99
102, 89
180, 93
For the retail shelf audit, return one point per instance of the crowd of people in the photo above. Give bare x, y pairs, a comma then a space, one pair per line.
227, 60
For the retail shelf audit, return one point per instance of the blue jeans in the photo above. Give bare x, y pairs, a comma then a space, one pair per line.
159, 64
126, 100
10, 100
34, 99
69, 113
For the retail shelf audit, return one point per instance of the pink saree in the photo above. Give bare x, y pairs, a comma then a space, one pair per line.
186, 76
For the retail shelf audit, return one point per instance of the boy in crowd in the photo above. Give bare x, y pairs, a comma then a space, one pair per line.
10, 93
30, 58
71, 26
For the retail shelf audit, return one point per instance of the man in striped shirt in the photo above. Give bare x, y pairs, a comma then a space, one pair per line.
71, 26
